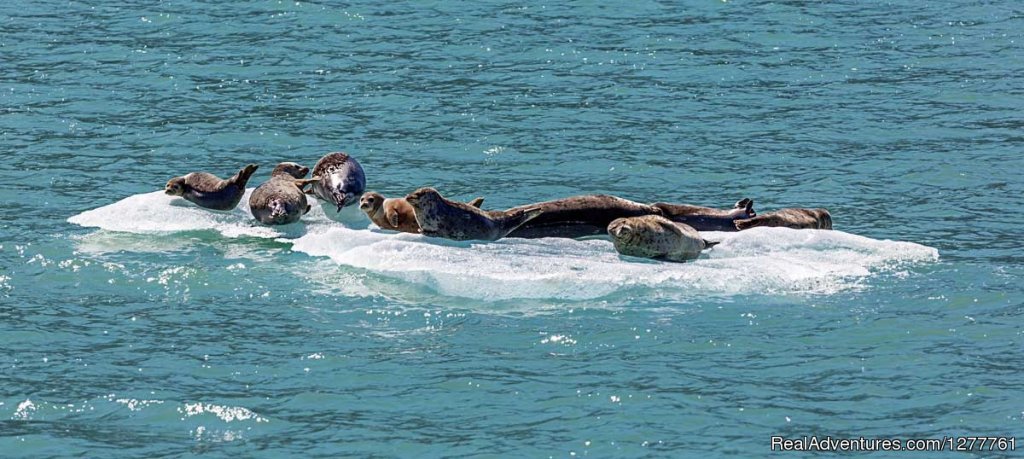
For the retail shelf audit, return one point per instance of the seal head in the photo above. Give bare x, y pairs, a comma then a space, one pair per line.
371, 202
289, 169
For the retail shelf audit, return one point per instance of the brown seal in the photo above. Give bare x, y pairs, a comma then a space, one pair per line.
654, 236
394, 213
796, 218
281, 200
708, 218
209, 191
458, 221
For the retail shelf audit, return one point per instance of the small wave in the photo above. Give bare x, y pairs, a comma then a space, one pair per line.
26, 410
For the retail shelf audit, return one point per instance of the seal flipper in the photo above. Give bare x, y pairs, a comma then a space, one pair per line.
709, 244
477, 202
747, 205
521, 218
242, 177
308, 208
301, 183
748, 223
392, 217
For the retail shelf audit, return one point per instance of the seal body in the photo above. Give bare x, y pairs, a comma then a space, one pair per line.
209, 191
796, 218
341, 179
707, 218
439, 217
281, 199
578, 216
654, 236
394, 213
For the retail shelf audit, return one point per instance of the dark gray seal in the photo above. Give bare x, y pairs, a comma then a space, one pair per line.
654, 236
341, 179
439, 217
578, 216
707, 218
209, 191
281, 200
581, 216
796, 218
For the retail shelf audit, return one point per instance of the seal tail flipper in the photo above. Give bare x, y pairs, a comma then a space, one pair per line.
746, 204
709, 244
308, 181
301, 183
247, 172
523, 216
531, 213
748, 223
477, 202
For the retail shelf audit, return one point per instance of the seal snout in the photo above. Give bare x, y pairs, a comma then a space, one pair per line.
340, 197
622, 231
367, 202
174, 187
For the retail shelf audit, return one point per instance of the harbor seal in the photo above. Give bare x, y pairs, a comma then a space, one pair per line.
796, 218
578, 216
209, 191
395, 213
281, 199
341, 179
654, 236
707, 218
440, 217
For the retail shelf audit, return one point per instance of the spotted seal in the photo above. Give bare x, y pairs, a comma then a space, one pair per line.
654, 236
796, 218
209, 191
395, 213
440, 217
281, 199
707, 218
341, 179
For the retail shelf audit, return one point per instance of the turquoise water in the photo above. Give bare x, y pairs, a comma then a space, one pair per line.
133, 324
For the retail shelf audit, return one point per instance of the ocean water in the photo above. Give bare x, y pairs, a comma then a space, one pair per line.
134, 324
